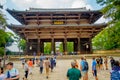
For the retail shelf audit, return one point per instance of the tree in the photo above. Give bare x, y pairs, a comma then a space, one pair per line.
22, 44
61, 47
47, 48
2, 21
111, 9
6, 39
109, 37
70, 46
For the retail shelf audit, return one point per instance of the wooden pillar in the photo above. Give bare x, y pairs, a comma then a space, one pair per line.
42, 46
78, 45
52, 46
75, 45
90, 45
65, 46
27, 48
38, 47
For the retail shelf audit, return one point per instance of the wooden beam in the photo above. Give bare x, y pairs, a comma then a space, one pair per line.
79, 19
91, 17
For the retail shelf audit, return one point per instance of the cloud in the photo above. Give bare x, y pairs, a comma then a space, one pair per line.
2, 2
81, 3
26, 4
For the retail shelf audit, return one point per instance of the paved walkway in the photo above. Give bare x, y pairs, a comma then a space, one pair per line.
59, 72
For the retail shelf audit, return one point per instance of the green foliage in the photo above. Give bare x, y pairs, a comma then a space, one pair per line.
111, 9
8, 52
5, 39
61, 47
70, 46
109, 37
22, 44
2, 20
47, 48
1, 51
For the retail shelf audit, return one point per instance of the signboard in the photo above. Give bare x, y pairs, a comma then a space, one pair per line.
58, 22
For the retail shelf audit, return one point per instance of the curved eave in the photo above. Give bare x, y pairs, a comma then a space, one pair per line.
19, 15
55, 26
53, 10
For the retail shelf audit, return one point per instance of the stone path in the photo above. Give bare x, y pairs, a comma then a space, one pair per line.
59, 72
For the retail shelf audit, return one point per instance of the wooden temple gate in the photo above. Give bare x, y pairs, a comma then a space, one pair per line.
52, 25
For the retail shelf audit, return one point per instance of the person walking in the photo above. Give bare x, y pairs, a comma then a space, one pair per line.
98, 63
41, 66
106, 63
30, 64
112, 61
55, 61
94, 70
73, 73
26, 68
115, 72
76, 63
23, 62
87, 68
83, 68
52, 64
0, 62
2, 75
47, 65
101, 63
12, 73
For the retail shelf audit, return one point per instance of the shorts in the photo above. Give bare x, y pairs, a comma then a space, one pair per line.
47, 70
83, 73
95, 73
23, 63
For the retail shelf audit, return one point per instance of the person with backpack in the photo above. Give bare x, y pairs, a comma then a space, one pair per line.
94, 68
52, 64
41, 66
12, 73
87, 68
112, 61
83, 68
115, 72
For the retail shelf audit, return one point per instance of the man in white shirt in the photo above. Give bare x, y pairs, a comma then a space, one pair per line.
26, 68
12, 73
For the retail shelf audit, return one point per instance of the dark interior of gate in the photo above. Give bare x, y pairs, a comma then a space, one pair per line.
76, 25
82, 45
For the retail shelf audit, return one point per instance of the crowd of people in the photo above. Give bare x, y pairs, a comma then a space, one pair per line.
76, 73
78, 70
43, 63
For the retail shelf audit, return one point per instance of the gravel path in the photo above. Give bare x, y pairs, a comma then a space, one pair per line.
59, 72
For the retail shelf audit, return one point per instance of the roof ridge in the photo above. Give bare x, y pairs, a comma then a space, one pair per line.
83, 8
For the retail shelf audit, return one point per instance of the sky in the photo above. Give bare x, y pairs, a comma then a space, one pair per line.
26, 4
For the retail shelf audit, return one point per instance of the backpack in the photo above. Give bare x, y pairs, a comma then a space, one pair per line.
8, 75
85, 67
115, 75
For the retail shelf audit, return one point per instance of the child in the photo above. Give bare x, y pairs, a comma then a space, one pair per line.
2, 76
